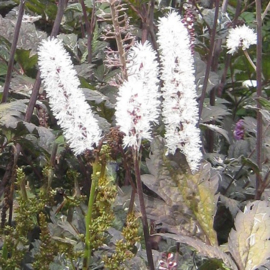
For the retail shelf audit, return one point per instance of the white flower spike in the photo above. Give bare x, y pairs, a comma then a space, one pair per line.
240, 37
66, 99
138, 98
180, 109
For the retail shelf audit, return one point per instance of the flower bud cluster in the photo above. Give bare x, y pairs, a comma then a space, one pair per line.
188, 22
239, 130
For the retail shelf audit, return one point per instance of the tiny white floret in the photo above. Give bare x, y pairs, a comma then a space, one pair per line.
240, 37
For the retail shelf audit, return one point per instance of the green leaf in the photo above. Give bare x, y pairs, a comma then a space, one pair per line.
200, 67
265, 114
209, 16
21, 86
7, 3
205, 250
188, 201
8, 110
221, 131
239, 148
249, 17
250, 124
97, 97
98, 46
102, 105
75, 7
3, 69
47, 8
84, 70
249, 243
264, 102
70, 41
25, 60
29, 37
232, 204
248, 162
213, 264
198, 192
266, 66
213, 113
45, 137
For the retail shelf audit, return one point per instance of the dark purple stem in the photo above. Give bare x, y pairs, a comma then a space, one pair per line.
229, 56
143, 211
55, 30
91, 32
210, 135
259, 94
209, 61
89, 27
87, 24
12, 51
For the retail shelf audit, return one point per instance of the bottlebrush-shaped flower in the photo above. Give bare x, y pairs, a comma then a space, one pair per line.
240, 37
180, 109
66, 99
138, 98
